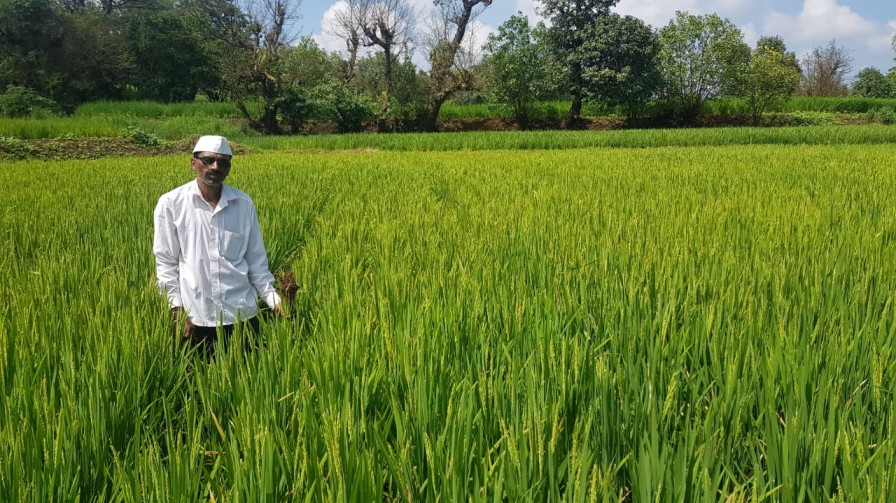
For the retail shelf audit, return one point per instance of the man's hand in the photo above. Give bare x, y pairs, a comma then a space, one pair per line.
178, 314
281, 312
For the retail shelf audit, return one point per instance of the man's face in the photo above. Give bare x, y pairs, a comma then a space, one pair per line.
211, 169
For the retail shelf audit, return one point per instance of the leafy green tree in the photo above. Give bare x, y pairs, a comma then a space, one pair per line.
31, 33
571, 22
701, 57
620, 63
891, 78
67, 56
308, 73
169, 58
518, 68
254, 72
776, 43
338, 101
871, 83
19, 101
401, 98
769, 78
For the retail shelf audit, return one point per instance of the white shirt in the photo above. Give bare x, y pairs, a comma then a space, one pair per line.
211, 261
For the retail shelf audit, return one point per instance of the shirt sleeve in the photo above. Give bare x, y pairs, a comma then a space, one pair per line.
256, 257
166, 248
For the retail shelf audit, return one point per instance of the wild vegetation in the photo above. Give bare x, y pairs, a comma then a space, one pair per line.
665, 323
58, 54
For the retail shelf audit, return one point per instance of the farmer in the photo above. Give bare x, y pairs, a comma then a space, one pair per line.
210, 258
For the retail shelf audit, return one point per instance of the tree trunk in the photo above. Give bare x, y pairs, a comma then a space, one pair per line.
269, 120
431, 119
575, 111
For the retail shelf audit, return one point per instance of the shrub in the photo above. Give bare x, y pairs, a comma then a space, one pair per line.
20, 101
12, 148
141, 137
812, 119
882, 115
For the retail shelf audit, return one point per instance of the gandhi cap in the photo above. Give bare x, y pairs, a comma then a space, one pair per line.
212, 143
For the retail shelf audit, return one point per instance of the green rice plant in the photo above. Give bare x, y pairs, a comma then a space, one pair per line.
156, 110
688, 323
550, 140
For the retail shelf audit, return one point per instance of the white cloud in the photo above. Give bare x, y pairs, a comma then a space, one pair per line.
326, 40
751, 34
656, 14
820, 21
529, 8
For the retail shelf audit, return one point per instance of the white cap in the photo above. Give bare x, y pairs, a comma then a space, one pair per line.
211, 143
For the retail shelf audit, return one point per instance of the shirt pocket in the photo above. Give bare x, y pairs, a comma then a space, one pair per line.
231, 245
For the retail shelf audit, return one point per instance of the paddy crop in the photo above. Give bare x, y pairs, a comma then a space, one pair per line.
671, 324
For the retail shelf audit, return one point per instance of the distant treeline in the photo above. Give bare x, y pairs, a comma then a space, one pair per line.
58, 54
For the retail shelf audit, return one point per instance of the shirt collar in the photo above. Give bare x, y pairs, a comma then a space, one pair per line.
227, 194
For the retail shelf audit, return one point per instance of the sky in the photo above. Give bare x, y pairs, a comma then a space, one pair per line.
863, 27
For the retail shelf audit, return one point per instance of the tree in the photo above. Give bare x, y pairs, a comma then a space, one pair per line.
571, 21
347, 26
871, 83
255, 69
620, 63
387, 24
169, 60
305, 68
63, 55
825, 70
769, 77
448, 73
31, 35
701, 57
518, 67
776, 43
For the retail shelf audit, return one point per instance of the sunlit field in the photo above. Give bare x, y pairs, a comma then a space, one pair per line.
702, 323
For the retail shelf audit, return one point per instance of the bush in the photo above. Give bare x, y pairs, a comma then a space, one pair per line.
12, 148
812, 119
20, 101
141, 137
349, 109
882, 115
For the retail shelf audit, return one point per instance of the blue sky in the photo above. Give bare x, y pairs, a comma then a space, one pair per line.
864, 27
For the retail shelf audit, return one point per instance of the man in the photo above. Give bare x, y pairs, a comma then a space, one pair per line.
210, 258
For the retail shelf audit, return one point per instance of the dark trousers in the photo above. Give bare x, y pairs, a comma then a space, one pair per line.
205, 339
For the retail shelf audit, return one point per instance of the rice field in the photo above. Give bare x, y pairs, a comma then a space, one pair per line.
676, 323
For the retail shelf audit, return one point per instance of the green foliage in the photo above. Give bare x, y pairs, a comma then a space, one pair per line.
169, 60
701, 57
156, 110
141, 137
348, 108
564, 140
871, 83
571, 23
882, 115
19, 101
620, 61
294, 105
397, 105
519, 70
812, 119
768, 79
12, 148
850, 104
